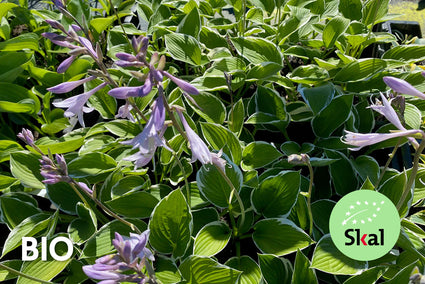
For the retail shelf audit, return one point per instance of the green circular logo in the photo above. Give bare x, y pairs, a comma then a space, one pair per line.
364, 225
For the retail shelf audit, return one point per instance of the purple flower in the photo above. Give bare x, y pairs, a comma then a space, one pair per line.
151, 136
65, 64
87, 44
402, 87
361, 140
54, 173
126, 56
198, 147
69, 86
59, 4
185, 86
26, 136
387, 110
131, 256
76, 104
55, 24
125, 112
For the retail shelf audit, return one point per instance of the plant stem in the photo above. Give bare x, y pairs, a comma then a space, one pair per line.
387, 164
16, 272
410, 182
233, 192
310, 187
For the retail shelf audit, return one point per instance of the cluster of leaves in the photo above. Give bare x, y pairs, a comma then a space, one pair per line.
276, 78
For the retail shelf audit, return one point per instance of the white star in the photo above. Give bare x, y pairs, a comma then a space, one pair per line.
382, 202
344, 223
366, 203
370, 220
378, 209
358, 203
354, 221
374, 203
374, 215
362, 221
348, 213
351, 207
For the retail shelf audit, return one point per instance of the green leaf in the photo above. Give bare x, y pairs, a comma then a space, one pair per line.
351, 9
212, 239
393, 189
45, 77
67, 143
183, 48
171, 225
5, 8
14, 264
374, 10
81, 229
412, 116
213, 185
12, 64
209, 107
367, 167
102, 24
333, 116
101, 243
257, 50
211, 38
342, 173
298, 18
44, 270
302, 271
403, 276
21, 42
63, 196
328, 258
321, 211
105, 104
333, 29
275, 270
279, 236
220, 137
360, 70
258, 154
236, 117
191, 24
308, 74
90, 165
198, 269
318, 97
26, 168
6, 148
263, 71
17, 99
27, 228
406, 53
276, 195
369, 276
137, 204
251, 273
166, 270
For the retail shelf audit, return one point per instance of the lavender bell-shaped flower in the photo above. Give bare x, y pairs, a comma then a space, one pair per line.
402, 87
151, 136
26, 136
361, 140
198, 147
69, 86
185, 86
76, 104
131, 256
387, 110
54, 173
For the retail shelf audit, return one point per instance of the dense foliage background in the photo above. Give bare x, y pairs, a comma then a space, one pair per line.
275, 78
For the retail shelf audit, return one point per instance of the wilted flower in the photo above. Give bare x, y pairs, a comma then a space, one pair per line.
131, 256
151, 136
198, 147
402, 87
76, 104
361, 140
